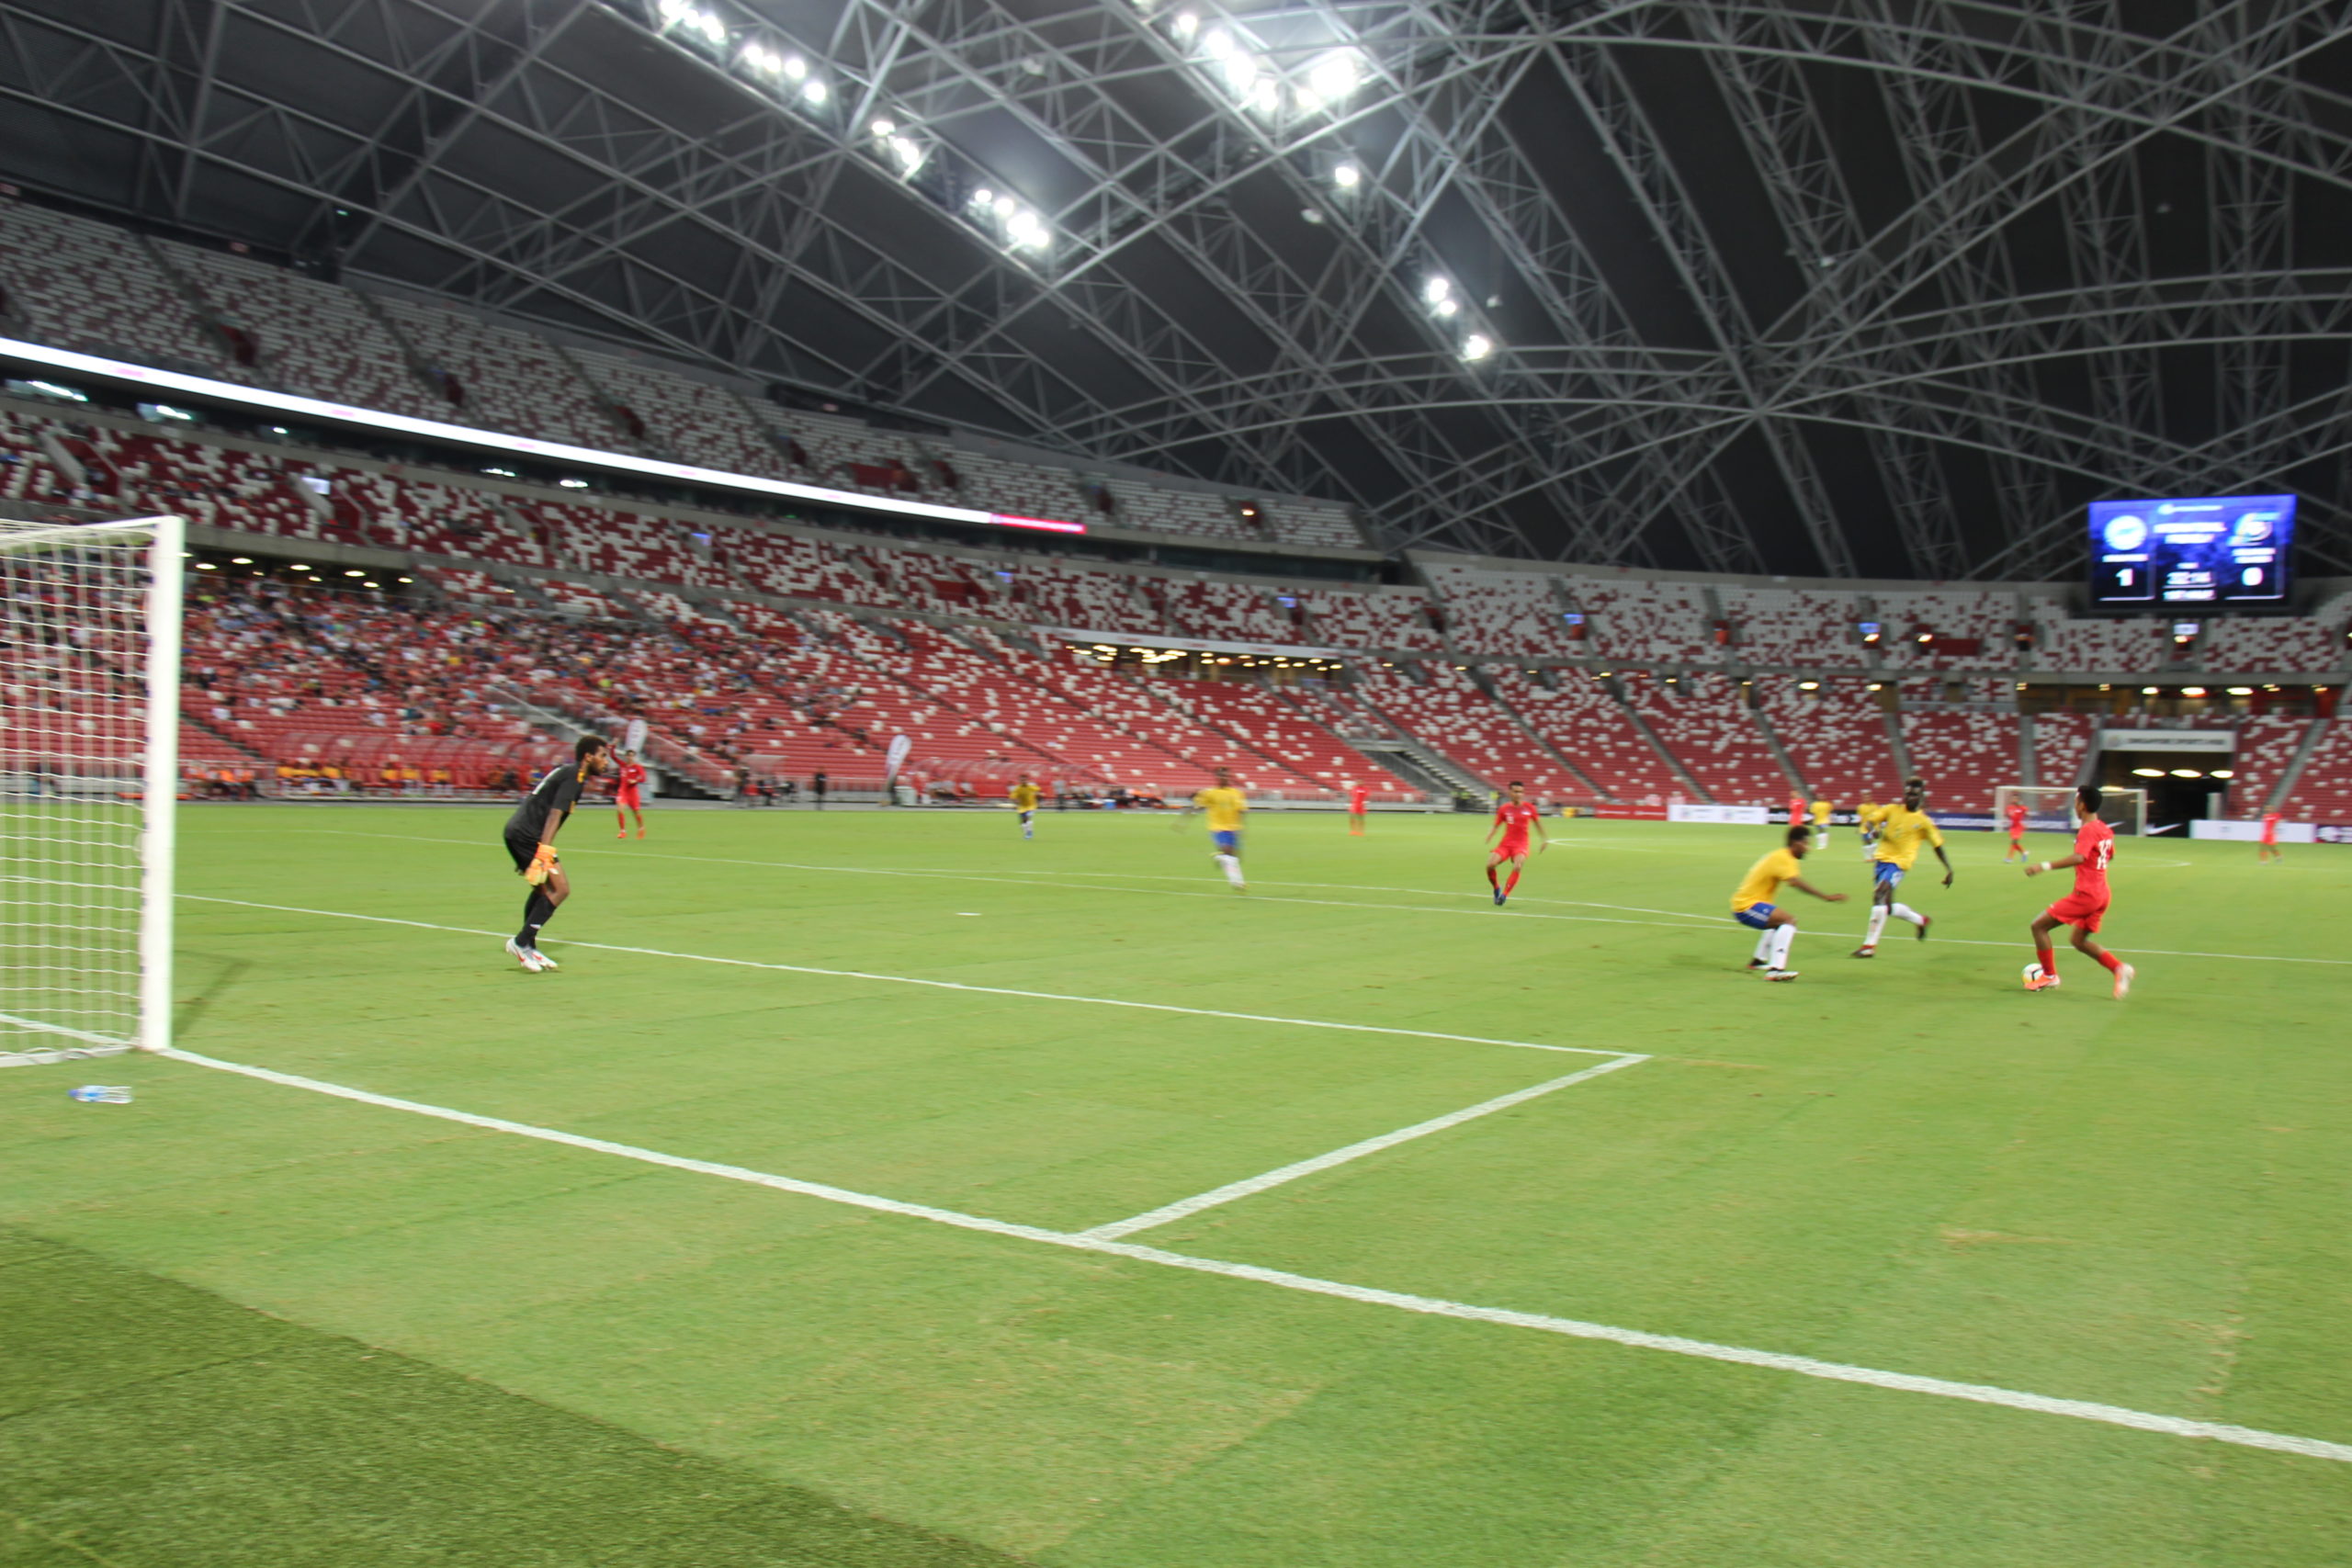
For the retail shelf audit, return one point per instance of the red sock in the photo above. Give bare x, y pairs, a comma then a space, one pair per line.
1491, 876
1512, 886
2049, 959
2112, 963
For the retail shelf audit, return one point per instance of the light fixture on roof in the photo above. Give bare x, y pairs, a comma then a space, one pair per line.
2241, 691
2147, 773
1347, 176
2222, 773
983, 197
241, 561
1477, 346
1438, 290
1447, 307
1186, 24
1216, 44
759, 58
573, 484
884, 128
1336, 75
795, 68
814, 90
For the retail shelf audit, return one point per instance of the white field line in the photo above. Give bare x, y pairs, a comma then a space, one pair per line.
1251, 1186
1773, 1361
936, 985
1692, 920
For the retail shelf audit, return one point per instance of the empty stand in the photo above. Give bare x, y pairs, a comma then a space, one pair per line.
1704, 721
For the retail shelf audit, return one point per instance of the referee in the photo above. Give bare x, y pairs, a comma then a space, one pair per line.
530, 840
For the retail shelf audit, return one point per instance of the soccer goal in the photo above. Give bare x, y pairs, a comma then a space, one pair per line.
2049, 808
89, 776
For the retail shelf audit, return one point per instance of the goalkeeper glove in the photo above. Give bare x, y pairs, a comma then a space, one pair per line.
542, 863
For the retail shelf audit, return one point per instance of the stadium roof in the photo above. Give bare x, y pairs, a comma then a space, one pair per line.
1867, 288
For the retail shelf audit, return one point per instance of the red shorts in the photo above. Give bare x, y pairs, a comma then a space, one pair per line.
625, 800
2079, 909
1512, 849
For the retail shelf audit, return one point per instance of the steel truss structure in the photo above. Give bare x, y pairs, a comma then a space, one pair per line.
1881, 288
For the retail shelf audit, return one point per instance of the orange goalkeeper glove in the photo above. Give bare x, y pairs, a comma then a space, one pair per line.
542, 866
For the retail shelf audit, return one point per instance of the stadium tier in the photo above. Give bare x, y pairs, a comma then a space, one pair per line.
732, 642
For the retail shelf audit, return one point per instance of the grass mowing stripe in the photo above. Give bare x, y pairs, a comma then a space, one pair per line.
1802, 1365
1251, 1186
937, 985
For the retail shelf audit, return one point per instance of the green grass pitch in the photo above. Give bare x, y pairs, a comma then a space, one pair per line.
246, 1323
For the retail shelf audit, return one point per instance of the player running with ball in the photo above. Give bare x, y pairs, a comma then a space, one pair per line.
1024, 800
530, 840
1757, 903
1514, 819
2083, 908
1901, 832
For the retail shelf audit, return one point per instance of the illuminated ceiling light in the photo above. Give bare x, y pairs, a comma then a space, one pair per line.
355, 572
1347, 176
573, 484
1266, 97
2147, 773
983, 197
908, 151
813, 90
2192, 690
795, 68
760, 58
1437, 289
1477, 346
2241, 691
1186, 24
241, 561
1217, 44
2187, 772
1005, 206
1336, 75
2223, 773
2148, 691
1447, 307
884, 128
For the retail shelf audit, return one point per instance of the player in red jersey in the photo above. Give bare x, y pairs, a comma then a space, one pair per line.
2083, 908
628, 799
1359, 799
2269, 849
1797, 817
2016, 832
1514, 819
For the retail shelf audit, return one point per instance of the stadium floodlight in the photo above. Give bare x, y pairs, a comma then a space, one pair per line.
89, 777
814, 90
908, 151
1347, 176
1477, 346
1186, 24
1335, 77
760, 60
983, 197
1216, 44
1437, 290
1448, 307
795, 68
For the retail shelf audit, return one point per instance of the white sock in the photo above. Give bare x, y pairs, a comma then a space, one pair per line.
1906, 912
1783, 938
1764, 946
1878, 924
1232, 866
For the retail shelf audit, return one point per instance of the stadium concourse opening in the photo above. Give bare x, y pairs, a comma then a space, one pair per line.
1150, 785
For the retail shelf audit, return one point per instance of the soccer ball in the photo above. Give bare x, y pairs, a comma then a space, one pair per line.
2032, 972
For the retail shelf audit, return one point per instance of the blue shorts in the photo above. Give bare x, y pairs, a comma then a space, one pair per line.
1887, 872
1227, 840
1757, 917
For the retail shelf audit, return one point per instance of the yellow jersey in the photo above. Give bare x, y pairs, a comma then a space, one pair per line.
1024, 796
1901, 833
1762, 883
1224, 807
1866, 815
1821, 809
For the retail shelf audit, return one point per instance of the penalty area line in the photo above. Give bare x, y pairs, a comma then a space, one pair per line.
934, 985
1432, 1306
1250, 1187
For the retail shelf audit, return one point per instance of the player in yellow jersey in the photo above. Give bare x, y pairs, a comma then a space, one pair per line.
1821, 810
1757, 904
1024, 801
1226, 806
1868, 818
1902, 829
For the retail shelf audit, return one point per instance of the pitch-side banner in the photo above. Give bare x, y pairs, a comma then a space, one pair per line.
2242, 831
1736, 816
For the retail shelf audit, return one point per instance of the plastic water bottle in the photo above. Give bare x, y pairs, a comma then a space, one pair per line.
98, 1093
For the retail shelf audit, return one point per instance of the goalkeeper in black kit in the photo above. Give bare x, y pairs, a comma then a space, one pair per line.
530, 840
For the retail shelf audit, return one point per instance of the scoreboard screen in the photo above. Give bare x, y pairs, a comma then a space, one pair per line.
2212, 550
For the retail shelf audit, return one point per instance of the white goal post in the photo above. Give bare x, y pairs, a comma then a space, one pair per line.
89, 785
2049, 808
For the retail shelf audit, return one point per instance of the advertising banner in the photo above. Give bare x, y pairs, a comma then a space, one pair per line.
2206, 741
2247, 831
1738, 816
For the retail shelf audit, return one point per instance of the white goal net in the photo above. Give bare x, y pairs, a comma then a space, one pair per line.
2049, 808
89, 775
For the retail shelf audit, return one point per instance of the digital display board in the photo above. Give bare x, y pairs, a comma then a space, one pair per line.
2210, 550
